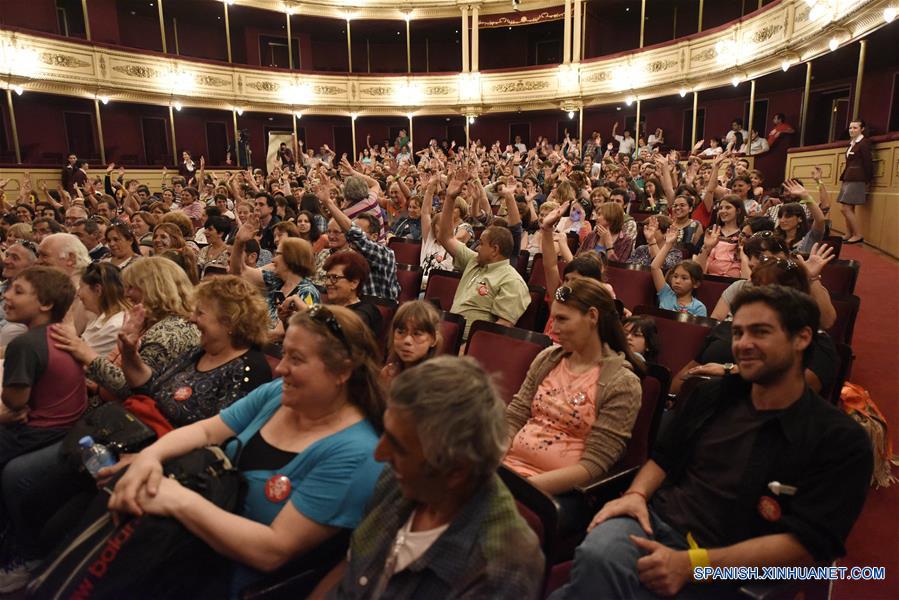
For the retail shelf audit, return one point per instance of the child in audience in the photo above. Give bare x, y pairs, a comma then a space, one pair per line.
676, 290
642, 336
414, 338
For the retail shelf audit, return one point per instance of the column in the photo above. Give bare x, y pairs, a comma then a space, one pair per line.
695, 118
15, 130
474, 38
100, 131
577, 38
408, 46
803, 115
162, 26
236, 137
642, 20
87, 20
856, 101
580, 129
566, 47
349, 47
353, 129
465, 62
174, 139
637, 125
751, 112
411, 138
228, 34
289, 41
701, 8
467, 132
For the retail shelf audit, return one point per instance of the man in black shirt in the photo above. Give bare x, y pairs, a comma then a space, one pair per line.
755, 470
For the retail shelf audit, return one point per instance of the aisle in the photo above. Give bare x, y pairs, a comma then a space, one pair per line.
874, 540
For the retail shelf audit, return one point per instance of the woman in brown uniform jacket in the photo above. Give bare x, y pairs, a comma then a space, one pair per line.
857, 174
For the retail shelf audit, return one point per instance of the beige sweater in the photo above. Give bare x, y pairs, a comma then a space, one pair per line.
618, 398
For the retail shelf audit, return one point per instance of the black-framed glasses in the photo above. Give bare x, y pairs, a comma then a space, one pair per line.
333, 277
320, 313
563, 294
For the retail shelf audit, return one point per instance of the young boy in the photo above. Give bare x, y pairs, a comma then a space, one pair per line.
43, 387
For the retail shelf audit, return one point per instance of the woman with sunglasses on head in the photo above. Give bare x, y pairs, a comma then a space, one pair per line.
308, 452
792, 222
716, 358
572, 418
414, 338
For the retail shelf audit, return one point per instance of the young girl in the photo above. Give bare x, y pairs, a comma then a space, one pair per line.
414, 338
642, 336
720, 253
676, 291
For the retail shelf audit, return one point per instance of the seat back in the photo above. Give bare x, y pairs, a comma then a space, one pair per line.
835, 242
840, 276
681, 336
711, 289
632, 283
541, 510
537, 276
387, 308
406, 250
506, 351
521, 265
442, 287
655, 386
452, 328
534, 317
844, 353
409, 278
847, 311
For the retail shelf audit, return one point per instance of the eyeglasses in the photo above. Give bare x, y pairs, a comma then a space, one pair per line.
563, 294
334, 278
321, 314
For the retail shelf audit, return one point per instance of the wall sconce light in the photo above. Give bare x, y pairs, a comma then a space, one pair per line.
18, 89
177, 106
103, 99
683, 92
354, 116
298, 115
471, 119
833, 44
629, 100
239, 112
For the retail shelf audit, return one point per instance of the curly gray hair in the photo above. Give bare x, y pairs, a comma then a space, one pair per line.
355, 188
458, 413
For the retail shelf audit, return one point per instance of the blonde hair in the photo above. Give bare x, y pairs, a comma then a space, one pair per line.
298, 256
21, 231
164, 285
239, 306
462, 205
181, 220
613, 214
565, 193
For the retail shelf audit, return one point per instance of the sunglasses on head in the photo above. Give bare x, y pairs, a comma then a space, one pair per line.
784, 263
324, 316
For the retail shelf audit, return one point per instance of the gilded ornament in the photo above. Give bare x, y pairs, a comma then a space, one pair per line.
520, 86
139, 71
61, 60
264, 86
766, 33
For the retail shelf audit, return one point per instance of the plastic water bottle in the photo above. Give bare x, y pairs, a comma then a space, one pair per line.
95, 456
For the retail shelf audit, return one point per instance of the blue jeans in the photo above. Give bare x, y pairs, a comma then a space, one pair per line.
605, 564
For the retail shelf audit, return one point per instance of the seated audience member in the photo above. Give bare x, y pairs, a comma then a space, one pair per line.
161, 294
66, 252
433, 254
720, 254
792, 222
307, 228
441, 523
675, 290
88, 231
754, 470
335, 242
324, 465
780, 128
16, 233
43, 227
17, 258
289, 275
216, 253
122, 244
716, 359
490, 288
142, 225
167, 236
573, 416
654, 230
409, 226
642, 337
103, 294
608, 236
43, 388
414, 338
227, 365
363, 235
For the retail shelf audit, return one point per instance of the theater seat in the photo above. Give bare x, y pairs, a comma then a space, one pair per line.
387, 308
409, 278
654, 385
442, 287
406, 250
507, 351
452, 328
681, 335
844, 372
538, 277
632, 283
840, 276
847, 308
540, 510
534, 317
711, 289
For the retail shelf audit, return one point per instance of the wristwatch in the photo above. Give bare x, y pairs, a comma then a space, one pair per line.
728, 368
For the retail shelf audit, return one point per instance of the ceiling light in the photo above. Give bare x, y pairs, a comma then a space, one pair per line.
833, 44
683, 92
354, 116
889, 13
239, 112
629, 100
785, 65
471, 120
104, 99
18, 89
735, 80
570, 114
177, 106
298, 115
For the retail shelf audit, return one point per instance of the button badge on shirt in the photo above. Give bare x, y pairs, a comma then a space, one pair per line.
183, 393
277, 488
769, 509
483, 290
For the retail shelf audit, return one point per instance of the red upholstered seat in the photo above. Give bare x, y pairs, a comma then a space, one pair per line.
711, 289
442, 287
632, 284
452, 328
681, 336
405, 250
507, 351
409, 278
538, 277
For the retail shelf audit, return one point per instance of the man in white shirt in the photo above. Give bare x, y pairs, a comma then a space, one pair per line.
626, 143
519, 145
758, 145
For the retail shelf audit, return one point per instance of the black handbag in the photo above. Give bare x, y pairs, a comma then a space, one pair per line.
109, 424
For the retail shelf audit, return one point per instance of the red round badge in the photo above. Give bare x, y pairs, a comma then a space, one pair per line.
277, 488
769, 508
482, 289
183, 393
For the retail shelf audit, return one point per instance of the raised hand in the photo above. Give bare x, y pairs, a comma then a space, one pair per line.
671, 235
248, 229
550, 220
712, 237
818, 257
454, 186
650, 228
794, 188
816, 173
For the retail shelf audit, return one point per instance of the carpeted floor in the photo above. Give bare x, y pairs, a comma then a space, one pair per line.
874, 541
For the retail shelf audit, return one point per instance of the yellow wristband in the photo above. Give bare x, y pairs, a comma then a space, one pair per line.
699, 558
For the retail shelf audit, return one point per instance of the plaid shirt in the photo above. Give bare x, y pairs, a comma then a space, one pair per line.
382, 280
488, 550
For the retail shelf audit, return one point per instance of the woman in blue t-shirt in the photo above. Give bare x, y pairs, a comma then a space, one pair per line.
308, 441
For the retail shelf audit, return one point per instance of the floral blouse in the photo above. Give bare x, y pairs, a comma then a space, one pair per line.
161, 344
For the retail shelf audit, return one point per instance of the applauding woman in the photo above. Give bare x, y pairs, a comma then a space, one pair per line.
308, 451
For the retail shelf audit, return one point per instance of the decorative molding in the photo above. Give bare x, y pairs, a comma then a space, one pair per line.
61, 60
521, 86
328, 90
662, 65
139, 71
210, 81
438, 90
766, 33
703, 55
521, 19
376, 91
264, 86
